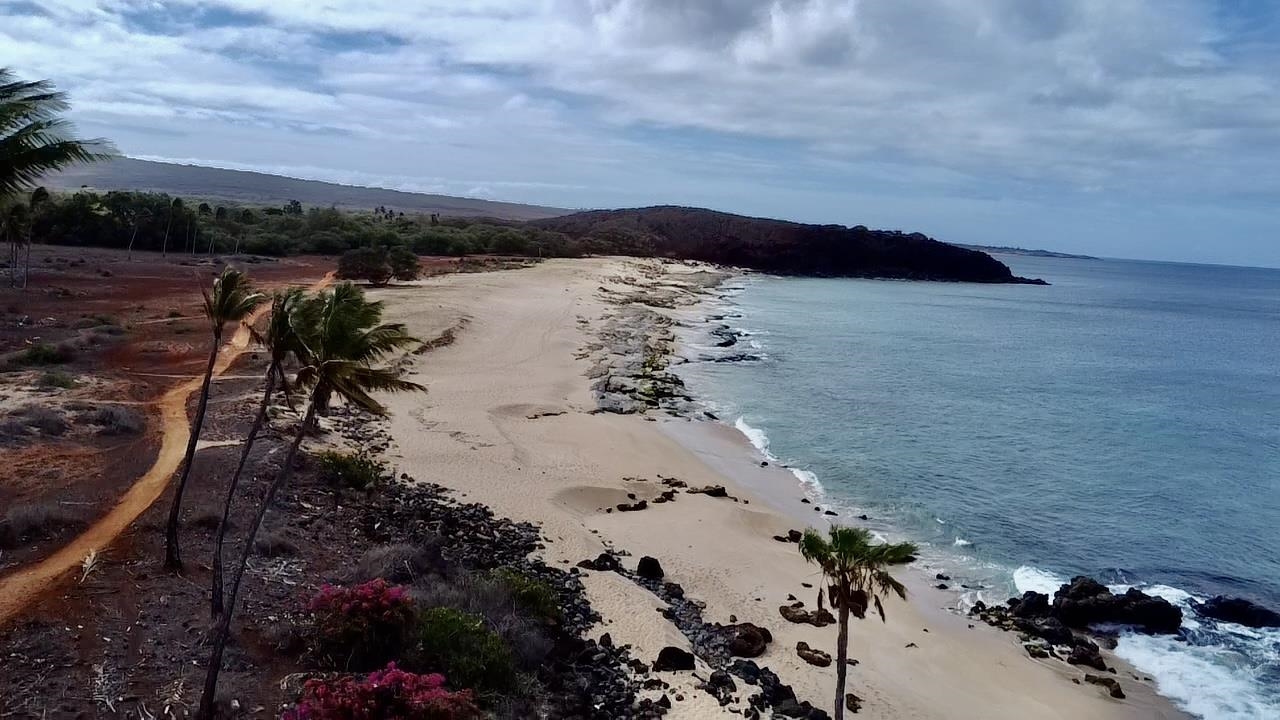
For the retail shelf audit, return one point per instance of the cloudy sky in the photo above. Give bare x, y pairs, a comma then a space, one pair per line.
1127, 128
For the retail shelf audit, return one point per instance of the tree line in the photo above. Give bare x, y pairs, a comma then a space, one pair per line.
164, 223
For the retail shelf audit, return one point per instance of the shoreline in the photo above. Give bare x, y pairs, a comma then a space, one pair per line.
511, 420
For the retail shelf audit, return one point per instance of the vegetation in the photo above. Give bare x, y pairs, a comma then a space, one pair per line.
45, 354
56, 379
361, 627
390, 694
531, 594
34, 139
336, 337
357, 471
855, 574
145, 221
460, 644
231, 301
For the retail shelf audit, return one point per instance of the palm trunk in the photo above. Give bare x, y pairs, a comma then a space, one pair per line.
222, 631
172, 557
164, 247
26, 266
842, 658
216, 605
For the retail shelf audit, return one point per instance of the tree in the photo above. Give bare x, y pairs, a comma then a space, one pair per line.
403, 263
369, 263
220, 215
339, 337
281, 342
33, 138
204, 209
14, 221
232, 300
175, 206
855, 574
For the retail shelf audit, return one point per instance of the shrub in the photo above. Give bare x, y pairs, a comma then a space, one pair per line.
462, 646
365, 264
490, 599
56, 379
24, 522
390, 694
271, 544
358, 471
400, 562
360, 627
533, 595
45, 419
116, 420
45, 354
403, 262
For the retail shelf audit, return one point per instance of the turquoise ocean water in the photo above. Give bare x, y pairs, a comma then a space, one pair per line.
1123, 423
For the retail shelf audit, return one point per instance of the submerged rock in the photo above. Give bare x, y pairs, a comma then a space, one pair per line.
1239, 611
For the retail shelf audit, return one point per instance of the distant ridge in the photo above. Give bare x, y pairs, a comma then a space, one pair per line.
1005, 250
255, 188
778, 246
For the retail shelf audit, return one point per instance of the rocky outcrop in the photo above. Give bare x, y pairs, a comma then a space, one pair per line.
1085, 601
1239, 611
1111, 685
649, 568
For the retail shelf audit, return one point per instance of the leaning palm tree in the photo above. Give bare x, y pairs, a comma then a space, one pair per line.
281, 342
231, 301
855, 573
339, 337
33, 138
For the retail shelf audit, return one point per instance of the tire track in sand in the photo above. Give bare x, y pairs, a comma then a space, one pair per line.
21, 587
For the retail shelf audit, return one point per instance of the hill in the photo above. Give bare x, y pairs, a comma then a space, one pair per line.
1029, 252
254, 188
778, 246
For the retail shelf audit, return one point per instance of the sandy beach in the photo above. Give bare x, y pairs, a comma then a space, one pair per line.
510, 420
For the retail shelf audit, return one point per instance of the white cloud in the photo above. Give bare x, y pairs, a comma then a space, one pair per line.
1151, 99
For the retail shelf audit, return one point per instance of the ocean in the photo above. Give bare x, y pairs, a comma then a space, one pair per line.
1123, 423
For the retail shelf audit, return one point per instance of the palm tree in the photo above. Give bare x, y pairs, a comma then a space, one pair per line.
175, 206
232, 300
33, 138
855, 573
339, 335
39, 197
280, 341
14, 220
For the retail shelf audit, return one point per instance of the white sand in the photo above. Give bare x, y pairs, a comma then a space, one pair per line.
476, 431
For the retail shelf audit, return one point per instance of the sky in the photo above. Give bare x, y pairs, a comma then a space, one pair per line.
1122, 128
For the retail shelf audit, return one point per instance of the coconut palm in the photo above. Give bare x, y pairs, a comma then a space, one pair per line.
231, 300
855, 575
340, 335
14, 220
174, 207
33, 138
279, 339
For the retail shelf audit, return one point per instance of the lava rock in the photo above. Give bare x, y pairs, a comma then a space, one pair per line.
603, 563
673, 658
1032, 604
1085, 601
1111, 684
1239, 611
811, 655
796, 614
649, 568
748, 640
1087, 656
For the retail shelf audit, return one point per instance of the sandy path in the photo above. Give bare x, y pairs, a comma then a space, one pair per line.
507, 422
22, 587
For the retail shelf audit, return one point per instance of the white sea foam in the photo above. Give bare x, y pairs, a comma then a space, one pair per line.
961, 542
755, 436
1032, 579
807, 478
1209, 681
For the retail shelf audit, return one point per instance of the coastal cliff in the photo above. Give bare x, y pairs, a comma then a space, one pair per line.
777, 246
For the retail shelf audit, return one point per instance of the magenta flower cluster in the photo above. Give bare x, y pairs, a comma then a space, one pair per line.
361, 627
388, 694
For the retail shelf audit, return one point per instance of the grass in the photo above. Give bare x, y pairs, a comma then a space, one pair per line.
116, 420
358, 470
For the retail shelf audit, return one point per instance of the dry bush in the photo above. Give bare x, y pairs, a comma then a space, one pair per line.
26, 522
115, 420
45, 419
273, 544
399, 563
